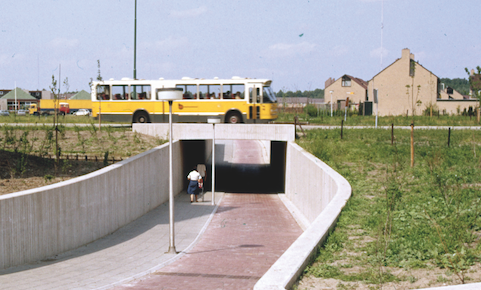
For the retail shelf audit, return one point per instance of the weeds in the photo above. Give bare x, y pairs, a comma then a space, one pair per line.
421, 217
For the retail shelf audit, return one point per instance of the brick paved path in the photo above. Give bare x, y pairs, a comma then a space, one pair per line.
247, 235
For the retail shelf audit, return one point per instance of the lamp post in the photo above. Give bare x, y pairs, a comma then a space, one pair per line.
170, 94
213, 121
376, 101
331, 101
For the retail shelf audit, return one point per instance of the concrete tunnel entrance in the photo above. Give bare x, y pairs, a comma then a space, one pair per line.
242, 166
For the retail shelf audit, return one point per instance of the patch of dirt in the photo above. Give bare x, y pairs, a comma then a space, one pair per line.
413, 279
35, 166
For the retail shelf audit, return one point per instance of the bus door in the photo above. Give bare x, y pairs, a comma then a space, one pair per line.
255, 100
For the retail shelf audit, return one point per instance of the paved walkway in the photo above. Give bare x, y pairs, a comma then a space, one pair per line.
133, 251
247, 235
230, 249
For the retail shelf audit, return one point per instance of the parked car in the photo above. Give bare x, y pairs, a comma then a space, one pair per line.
4, 113
82, 112
22, 112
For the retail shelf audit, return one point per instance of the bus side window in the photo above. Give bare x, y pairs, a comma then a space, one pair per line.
215, 92
120, 92
239, 92
203, 92
140, 92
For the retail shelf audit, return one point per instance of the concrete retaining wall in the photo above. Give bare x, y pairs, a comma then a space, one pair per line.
319, 193
181, 131
42, 222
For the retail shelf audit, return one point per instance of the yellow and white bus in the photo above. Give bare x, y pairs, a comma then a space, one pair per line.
236, 100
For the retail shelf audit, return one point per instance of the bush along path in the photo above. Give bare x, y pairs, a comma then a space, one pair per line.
404, 227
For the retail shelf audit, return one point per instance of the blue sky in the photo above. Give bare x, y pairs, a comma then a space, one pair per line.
297, 44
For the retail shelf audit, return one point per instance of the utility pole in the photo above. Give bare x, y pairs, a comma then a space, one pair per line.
135, 42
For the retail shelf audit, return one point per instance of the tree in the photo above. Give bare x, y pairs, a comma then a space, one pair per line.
460, 85
475, 86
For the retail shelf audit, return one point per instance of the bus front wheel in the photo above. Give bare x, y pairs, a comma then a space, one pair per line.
141, 118
233, 118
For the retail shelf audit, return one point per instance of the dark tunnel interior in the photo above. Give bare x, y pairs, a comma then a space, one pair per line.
237, 177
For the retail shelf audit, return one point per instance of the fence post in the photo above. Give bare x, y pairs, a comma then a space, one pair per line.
342, 126
412, 144
392, 133
449, 135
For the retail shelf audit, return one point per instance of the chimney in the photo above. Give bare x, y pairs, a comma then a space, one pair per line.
329, 82
472, 71
406, 53
411, 56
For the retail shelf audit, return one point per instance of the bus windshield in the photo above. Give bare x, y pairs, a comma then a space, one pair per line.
269, 96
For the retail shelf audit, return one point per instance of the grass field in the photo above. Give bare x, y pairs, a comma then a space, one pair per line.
27, 153
404, 226
354, 120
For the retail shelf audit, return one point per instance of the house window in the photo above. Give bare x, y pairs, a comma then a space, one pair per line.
412, 66
346, 82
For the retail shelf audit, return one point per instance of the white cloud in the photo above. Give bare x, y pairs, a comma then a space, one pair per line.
189, 13
289, 49
12, 59
338, 50
64, 43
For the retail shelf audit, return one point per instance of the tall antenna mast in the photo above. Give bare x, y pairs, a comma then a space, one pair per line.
382, 27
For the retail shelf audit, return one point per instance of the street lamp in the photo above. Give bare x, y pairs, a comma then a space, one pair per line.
331, 101
213, 121
170, 94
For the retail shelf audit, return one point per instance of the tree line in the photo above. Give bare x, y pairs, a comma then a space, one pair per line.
315, 94
460, 85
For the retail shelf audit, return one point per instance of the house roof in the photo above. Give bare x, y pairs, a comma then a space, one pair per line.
397, 61
82, 95
21, 95
359, 81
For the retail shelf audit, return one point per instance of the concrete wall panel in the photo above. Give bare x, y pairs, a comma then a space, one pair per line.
272, 132
41, 222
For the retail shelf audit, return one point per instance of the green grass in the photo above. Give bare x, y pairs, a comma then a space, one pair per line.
12, 119
401, 216
355, 120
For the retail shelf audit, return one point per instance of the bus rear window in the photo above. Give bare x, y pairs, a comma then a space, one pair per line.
103, 92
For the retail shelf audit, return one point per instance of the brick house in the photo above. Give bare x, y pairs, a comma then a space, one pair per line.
407, 87
345, 87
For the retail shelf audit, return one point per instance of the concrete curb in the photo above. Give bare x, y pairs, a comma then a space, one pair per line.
287, 269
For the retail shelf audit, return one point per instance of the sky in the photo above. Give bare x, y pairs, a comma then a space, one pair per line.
297, 44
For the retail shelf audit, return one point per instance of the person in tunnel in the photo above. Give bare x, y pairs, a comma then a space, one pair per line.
194, 178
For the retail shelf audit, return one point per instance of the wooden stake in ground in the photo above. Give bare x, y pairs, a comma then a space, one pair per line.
342, 126
449, 135
412, 144
392, 133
